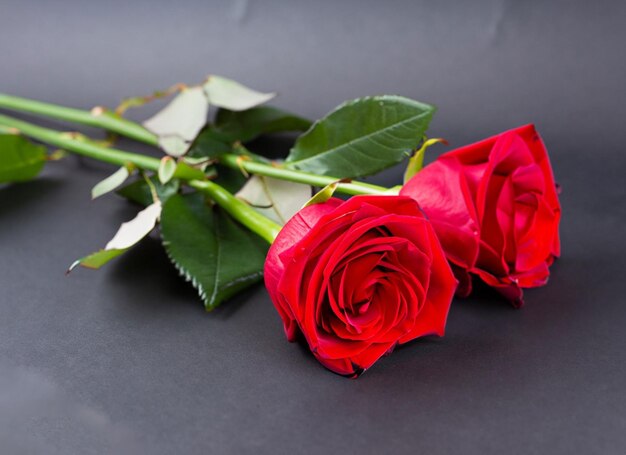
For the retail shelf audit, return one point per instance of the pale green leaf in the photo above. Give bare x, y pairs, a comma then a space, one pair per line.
167, 167
226, 93
129, 234
276, 199
174, 145
184, 116
110, 183
136, 229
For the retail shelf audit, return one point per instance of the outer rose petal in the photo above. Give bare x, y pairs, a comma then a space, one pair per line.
296, 228
441, 190
529, 134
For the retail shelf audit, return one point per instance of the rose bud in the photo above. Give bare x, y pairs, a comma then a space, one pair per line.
358, 277
495, 208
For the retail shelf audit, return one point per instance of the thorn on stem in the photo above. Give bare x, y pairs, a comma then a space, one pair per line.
97, 111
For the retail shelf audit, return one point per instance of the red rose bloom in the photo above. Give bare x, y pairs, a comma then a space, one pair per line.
358, 277
495, 208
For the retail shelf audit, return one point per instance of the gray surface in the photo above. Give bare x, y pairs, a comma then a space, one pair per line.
125, 360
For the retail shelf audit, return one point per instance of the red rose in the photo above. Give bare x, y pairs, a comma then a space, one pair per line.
358, 277
495, 208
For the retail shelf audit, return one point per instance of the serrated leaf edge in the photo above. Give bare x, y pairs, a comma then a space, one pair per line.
209, 304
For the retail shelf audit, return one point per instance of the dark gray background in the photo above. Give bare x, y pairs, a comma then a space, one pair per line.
126, 360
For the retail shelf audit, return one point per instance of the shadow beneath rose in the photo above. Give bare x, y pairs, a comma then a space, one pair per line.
468, 317
484, 299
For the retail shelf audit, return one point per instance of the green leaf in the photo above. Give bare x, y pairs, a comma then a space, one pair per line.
200, 163
231, 126
127, 236
110, 183
361, 137
216, 254
230, 179
211, 143
226, 93
187, 172
276, 199
97, 259
246, 125
167, 167
139, 191
20, 159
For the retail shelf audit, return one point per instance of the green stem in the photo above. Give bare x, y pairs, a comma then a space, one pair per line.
277, 171
109, 121
81, 146
98, 117
241, 211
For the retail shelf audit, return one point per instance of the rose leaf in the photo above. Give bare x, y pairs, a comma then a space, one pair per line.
20, 159
110, 183
212, 251
167, 167
181, 120
243, 126
246, 125
128, 235
361, 137
139, 191
226, 93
